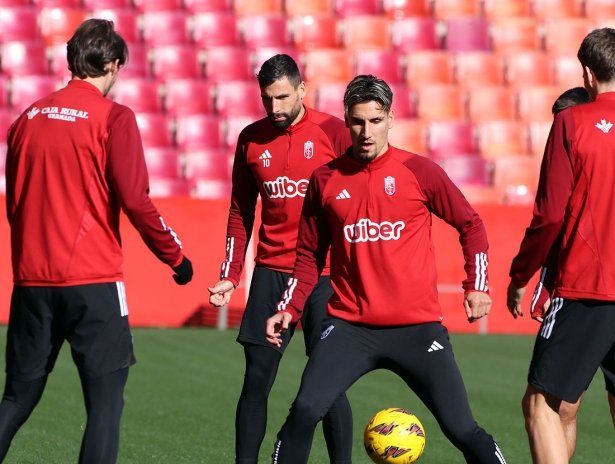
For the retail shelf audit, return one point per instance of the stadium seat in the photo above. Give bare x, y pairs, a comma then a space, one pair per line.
162, 162
565, 35
212, 164
420, 33
19, 24
169, 188
188, 96
493, 9
254, 7
7, 117
14, 3
515, 34
438, 102
142, 95
228, 63
59, 62
198, 131
56, 3
548, 9
538, 135
403, 101
94, 5
409, 135
429, 67
308, 7
59, 24
467, 169
266, 31
328, 65
491, 103
205, 6
501, 138
535, 103
165, 28
216, 29
367, 32
155, 129
138, 64
234, 125
330, 98
125, 21
596, 10
260, 55
4, 94
516, 179
479, 194
528, 68
203, 189
381, 63
157, 5
312, 32
451, 138
176, 62
473, 69
398, 9
22, 58
346, 8
465, 34
25, 90
446, 9
234, 98
567, 70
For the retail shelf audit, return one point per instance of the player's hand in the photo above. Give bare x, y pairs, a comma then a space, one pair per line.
514, 298
220, 294
540, 303
276, 326
183, 272
477, 305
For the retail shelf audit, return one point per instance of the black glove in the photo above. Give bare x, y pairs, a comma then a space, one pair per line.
183, 272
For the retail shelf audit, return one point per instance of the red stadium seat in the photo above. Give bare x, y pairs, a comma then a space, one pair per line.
535, 103
166, 28
538, 135
308, 7
138, 64
125, 22
467, 169
440, 102
346, 8
330, 98
367, 32
157, 5
19, 58
312, 32
445, 9
528, 68
211, 189
252, 7
212, 164
176, 62
56, 3
547, 9
409, 135
4, 95
162, 162
328, 65
398, 9
403, 101
19, 24
228, 63
14, 3
198, 131
58, 25
155, 129
597, 10
94, 5
235, 124
567, 70
266, 31
493, 9
59, 62
473, 69
465, 34
188, 96
516, 179
25, 90
260, 55
142, 95
451, 138
7, 117
491, 103
502, 138
216, 29
565, 35
418, 33
515, 34
236, 98
197, 6
169, 188
383, 64
429, 67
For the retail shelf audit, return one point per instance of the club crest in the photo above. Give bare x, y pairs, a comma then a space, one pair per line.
308, 149
389, 185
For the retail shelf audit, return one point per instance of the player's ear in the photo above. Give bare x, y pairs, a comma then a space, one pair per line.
301, 90
391, 116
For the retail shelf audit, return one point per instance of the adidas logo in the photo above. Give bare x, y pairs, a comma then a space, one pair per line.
343, 196
265, 155
435, 346
604, 126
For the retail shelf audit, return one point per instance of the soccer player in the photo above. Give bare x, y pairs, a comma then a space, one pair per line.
573, 201
74, 159
372, 207
274, 159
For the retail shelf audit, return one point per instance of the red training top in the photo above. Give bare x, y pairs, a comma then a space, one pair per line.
377, 219
74, 158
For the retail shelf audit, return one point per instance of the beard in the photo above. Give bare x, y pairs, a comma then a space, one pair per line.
289, 118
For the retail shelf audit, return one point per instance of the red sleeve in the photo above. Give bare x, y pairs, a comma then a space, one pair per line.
446, 201
313, 244
127, 174
338, 135
242, 210
9, 177
554, 191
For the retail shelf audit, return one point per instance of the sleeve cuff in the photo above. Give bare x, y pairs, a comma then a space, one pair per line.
231, 280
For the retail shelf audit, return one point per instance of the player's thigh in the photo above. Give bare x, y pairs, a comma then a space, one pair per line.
574, 340
35, 333
314, 312
97, 328
608, 369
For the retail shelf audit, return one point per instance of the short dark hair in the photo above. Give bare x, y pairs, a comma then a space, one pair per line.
95, 44
571, 97
366, 88
597, 52
278, 67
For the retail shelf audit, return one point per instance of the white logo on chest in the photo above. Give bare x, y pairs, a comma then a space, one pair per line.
367, 231
308, 149
389, 185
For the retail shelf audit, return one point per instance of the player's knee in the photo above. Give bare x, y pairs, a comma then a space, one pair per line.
567, 412
308, 410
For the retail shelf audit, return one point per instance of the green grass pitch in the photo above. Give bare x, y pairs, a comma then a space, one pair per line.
181, 397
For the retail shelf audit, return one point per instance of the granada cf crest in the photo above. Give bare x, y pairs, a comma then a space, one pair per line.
389, 185
308, 149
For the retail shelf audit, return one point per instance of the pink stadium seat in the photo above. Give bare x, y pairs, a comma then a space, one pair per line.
266, 31
25, 90
157, 5
216, 29
260, 55
515, 34
528, 68
235, 98
56, 3
367, 32
312, 32
330, 98
328, 65
491, 103
125, 21
138, 64
398, 9
599, 9
547, 9
403, 102
252, 7
19, 58
59, 63
19, 24
211, 164
176, 62
6, 120
142, 95
445, 9
381, 63
429, 67
4, 95
155, 129
166, 28
409, 135
567, 70
467, 33
169, 188
308, 7
345, 8
228, 63
564, 35
535, 103
506, 8
451, 138
188, 96
516, 179
502, 138
14, 3
235, 124
440, 102
94, 5
538, 135
194, 6
198, 131
467, 169
162, 162
210, 189
59, 24
420, 33
473, 69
